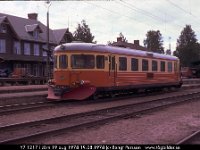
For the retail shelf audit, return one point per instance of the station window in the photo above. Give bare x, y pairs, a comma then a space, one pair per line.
162, 66
100, 62
145, 65
169, 65
2, 46
27, 49
17, 47
134, 64
63, 61
154, 65
82, 61
55, 62
123, 63
3, 28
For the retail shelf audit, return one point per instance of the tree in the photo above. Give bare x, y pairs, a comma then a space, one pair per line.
83, 33
122, 37
154, 41
69, 36
168, 52
187, 47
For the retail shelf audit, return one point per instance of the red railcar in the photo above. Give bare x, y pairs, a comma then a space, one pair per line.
84, 69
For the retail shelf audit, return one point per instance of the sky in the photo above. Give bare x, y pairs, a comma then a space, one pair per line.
107, 18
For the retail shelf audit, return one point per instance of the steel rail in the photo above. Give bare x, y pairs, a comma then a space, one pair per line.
32, 106
190, 138
56, 125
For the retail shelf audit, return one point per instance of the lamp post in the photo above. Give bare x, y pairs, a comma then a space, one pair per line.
48, 46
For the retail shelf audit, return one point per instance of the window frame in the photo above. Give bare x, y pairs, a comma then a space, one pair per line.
17, 48
135, 67
3, 28
27, 48
145, 67
36, 34
55, 62
162, 66
122, 64
36, 49
84, 63
2, 46
60, 61
169, 66
101, 66
154, 66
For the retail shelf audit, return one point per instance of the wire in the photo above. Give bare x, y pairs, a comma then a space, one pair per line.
116, 13
185, 11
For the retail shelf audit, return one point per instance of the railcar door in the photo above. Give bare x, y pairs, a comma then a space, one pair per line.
112, 69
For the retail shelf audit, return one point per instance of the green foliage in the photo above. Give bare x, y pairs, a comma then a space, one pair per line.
123, 37
154, 41
69, 37
83, 33
187, 47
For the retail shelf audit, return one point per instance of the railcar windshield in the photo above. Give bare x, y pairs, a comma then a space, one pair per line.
55, 62
82, 61
63, 62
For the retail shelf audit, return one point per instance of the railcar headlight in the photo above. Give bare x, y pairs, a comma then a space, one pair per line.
82, 82
51, 81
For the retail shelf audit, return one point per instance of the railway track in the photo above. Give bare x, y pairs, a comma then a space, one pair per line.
23, 107
34, 106
15, 102
33, 130
194, 138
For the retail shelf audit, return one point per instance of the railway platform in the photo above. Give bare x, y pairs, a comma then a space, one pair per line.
22, 94
24, 88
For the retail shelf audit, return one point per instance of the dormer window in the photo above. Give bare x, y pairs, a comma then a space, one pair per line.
35, 34
34, 30
3, 28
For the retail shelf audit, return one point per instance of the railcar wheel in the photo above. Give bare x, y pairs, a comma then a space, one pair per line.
112, 94
173, 88
95, 96
166, 89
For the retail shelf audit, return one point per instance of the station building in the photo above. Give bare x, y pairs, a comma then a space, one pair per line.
134, 45
23, 40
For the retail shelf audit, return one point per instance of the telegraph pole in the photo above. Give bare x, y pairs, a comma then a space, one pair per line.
48, 46
169, 43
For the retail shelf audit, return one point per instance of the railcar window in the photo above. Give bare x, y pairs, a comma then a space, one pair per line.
154, 65
123, 63
162, 66
82, 61
100, 61
55, 62
145, 65
134, 64
169, 64
63, 61
175, 67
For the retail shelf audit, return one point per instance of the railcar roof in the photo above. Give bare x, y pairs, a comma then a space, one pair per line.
109, 49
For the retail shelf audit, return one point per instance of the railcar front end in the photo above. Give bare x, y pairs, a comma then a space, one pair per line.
80, 91
71, 72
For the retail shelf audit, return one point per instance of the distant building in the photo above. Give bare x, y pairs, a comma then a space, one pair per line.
135, 45
22, 41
